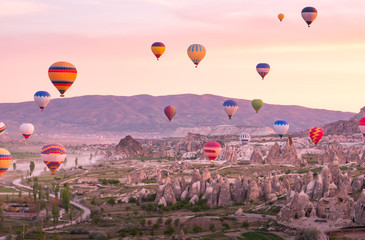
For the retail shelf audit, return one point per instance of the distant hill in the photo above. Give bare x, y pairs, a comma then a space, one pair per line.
144, 113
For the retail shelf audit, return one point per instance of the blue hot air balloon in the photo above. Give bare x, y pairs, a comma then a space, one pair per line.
42, 98
230, 107
245, 138
263, 69
281, 127
309, 14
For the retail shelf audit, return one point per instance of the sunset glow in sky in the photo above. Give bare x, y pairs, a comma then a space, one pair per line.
109, 43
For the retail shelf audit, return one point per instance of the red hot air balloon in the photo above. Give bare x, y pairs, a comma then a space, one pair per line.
316, 134
212, 150
362, 125
170, 112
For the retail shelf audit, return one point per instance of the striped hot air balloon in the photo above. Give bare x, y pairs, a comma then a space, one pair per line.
245, 138
53, 155
230, 107
2, 128
26, 129
42, 98
212, 150
257, 104
263, 69
5, 161
309, 14
281, 127
62, 75
158, 48
281, 16
170, 112
316, 134
196, 53
362, 125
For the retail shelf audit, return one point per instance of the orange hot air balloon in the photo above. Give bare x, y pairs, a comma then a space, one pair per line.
316, 134
62, 75
281, 16
5, 161
196, 53
170, 112
212, 150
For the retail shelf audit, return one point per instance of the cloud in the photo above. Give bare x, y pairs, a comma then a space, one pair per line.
20, 7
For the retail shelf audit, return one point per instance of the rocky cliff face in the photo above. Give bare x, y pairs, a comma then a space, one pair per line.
344, 127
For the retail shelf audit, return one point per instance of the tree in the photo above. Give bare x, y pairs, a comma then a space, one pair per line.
76, 161
212, 227
57, 190
91, 157
66, 198
55, 213
14, 166
47, 193
40, 193
35, 191
40, 232
48, 217
31, 167
20, 193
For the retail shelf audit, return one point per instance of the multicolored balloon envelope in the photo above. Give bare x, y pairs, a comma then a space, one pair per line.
281, 16
281, 127
62, 75
196, 53
309, 14
316, 134
245, 138
170, 112
53, 155
158, 48
361, 125
5, 161
212, 150
2, 128
26, 129
257, 104
263, 69
230, 107
42, 98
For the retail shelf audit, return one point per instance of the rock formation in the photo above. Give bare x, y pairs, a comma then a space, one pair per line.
287, 155
298, 205
256, 157
129, 146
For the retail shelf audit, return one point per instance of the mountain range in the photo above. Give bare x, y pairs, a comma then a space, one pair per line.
96, 114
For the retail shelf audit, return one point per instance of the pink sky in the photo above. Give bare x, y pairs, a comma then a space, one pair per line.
109, 43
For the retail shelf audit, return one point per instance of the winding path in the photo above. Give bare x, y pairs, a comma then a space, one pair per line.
85, 215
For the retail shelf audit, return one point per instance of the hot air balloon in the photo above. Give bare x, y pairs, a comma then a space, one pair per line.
26, 129
281, 127
281, 16
257, 104
362, 125
196, 53
5, 161
53, 156
62, 75
212, 150
2, 128
309, 14
263, 69
245, 138
230, 107
42, 99
158, 48
316, 134
170, 112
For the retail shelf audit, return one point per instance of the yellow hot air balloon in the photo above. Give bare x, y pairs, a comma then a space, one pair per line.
5, 161
158, 48
281, 16
62, 75
196, 53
